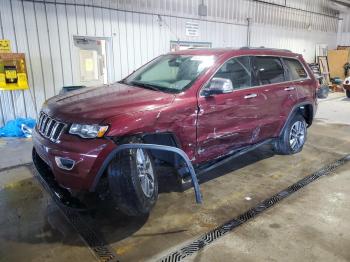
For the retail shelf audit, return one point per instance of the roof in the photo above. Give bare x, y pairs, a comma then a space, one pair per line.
237, 51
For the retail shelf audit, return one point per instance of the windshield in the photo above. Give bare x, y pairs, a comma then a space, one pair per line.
170, 73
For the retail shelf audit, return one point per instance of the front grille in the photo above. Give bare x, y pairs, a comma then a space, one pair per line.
49, 127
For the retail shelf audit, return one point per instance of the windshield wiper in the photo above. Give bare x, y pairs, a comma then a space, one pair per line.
145, 85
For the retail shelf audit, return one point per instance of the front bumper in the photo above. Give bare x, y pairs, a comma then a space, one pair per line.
88, 155
61, 195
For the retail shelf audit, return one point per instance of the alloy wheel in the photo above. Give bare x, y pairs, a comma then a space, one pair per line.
297, 135
145, 172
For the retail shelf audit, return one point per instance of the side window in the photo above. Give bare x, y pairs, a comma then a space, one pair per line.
295, 69
269, 70
238, 70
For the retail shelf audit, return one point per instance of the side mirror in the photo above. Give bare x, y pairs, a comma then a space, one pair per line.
218, 86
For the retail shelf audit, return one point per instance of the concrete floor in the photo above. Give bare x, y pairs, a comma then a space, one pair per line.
310, 225
334, 109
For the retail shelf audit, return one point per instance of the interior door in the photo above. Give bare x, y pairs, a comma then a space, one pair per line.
229, 121
91, 54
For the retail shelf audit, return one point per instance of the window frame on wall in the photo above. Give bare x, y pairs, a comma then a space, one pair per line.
107, 61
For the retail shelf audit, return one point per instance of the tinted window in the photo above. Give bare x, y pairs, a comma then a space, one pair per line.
295, 69
238, 71
269, 70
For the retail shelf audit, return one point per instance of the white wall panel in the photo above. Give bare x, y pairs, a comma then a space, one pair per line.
44, 31
65, 43
45, 49
299, 41
54, 38
116, 49
81, 17
344, 39
28, 106
8, 99
34, 54
344, 30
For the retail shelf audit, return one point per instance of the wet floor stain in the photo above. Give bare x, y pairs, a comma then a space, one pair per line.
31, 226
275, 225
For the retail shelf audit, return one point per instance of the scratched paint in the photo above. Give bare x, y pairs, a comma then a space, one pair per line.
205, 127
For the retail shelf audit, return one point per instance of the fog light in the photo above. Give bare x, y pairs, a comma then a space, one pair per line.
64, 163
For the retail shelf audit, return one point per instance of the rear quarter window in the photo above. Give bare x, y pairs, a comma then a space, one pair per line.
295, 69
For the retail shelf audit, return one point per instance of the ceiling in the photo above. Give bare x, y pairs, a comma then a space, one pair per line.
343, 6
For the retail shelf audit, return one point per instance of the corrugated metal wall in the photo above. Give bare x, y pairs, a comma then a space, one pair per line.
139, 30
344, 34
290, 13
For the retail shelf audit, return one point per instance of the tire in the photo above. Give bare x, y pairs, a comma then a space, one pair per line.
293, 136
348, 93
133, 181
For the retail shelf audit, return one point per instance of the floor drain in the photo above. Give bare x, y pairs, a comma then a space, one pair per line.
222, 230
100, 248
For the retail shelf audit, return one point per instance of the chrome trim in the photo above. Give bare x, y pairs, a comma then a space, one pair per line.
250, 96
48, 126
54, 128
291, 88
47, 119
59, 163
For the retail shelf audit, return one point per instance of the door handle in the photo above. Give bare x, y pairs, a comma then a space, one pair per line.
250, 96
290, 88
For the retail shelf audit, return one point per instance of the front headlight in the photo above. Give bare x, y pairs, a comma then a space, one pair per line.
88, 131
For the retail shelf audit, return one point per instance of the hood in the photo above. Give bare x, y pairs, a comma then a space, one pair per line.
95, 104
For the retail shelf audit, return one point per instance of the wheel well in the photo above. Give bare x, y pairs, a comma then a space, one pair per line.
307, 112
166, 139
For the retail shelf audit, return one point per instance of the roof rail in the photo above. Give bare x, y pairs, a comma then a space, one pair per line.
264, 48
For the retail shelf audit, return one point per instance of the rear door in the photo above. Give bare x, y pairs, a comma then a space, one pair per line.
278, 92
231, 120
300, 80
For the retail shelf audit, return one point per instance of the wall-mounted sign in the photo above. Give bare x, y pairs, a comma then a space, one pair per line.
13, 72
5, 46
192, 29
183, 45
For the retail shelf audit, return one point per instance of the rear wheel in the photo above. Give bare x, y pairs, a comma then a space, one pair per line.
133, 182
293, 136
348, 93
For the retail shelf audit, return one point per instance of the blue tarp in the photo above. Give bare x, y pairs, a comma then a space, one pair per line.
20, 127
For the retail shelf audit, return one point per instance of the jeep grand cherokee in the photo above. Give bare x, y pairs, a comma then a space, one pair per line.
210, 103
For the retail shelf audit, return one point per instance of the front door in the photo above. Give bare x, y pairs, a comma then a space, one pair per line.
91, 54
229, 121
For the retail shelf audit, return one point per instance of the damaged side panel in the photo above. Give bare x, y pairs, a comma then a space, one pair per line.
178, 119
229, 121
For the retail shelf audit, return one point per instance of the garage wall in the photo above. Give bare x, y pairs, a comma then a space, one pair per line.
139, 30
344, 30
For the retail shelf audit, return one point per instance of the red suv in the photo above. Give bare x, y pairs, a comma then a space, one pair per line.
193, 109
